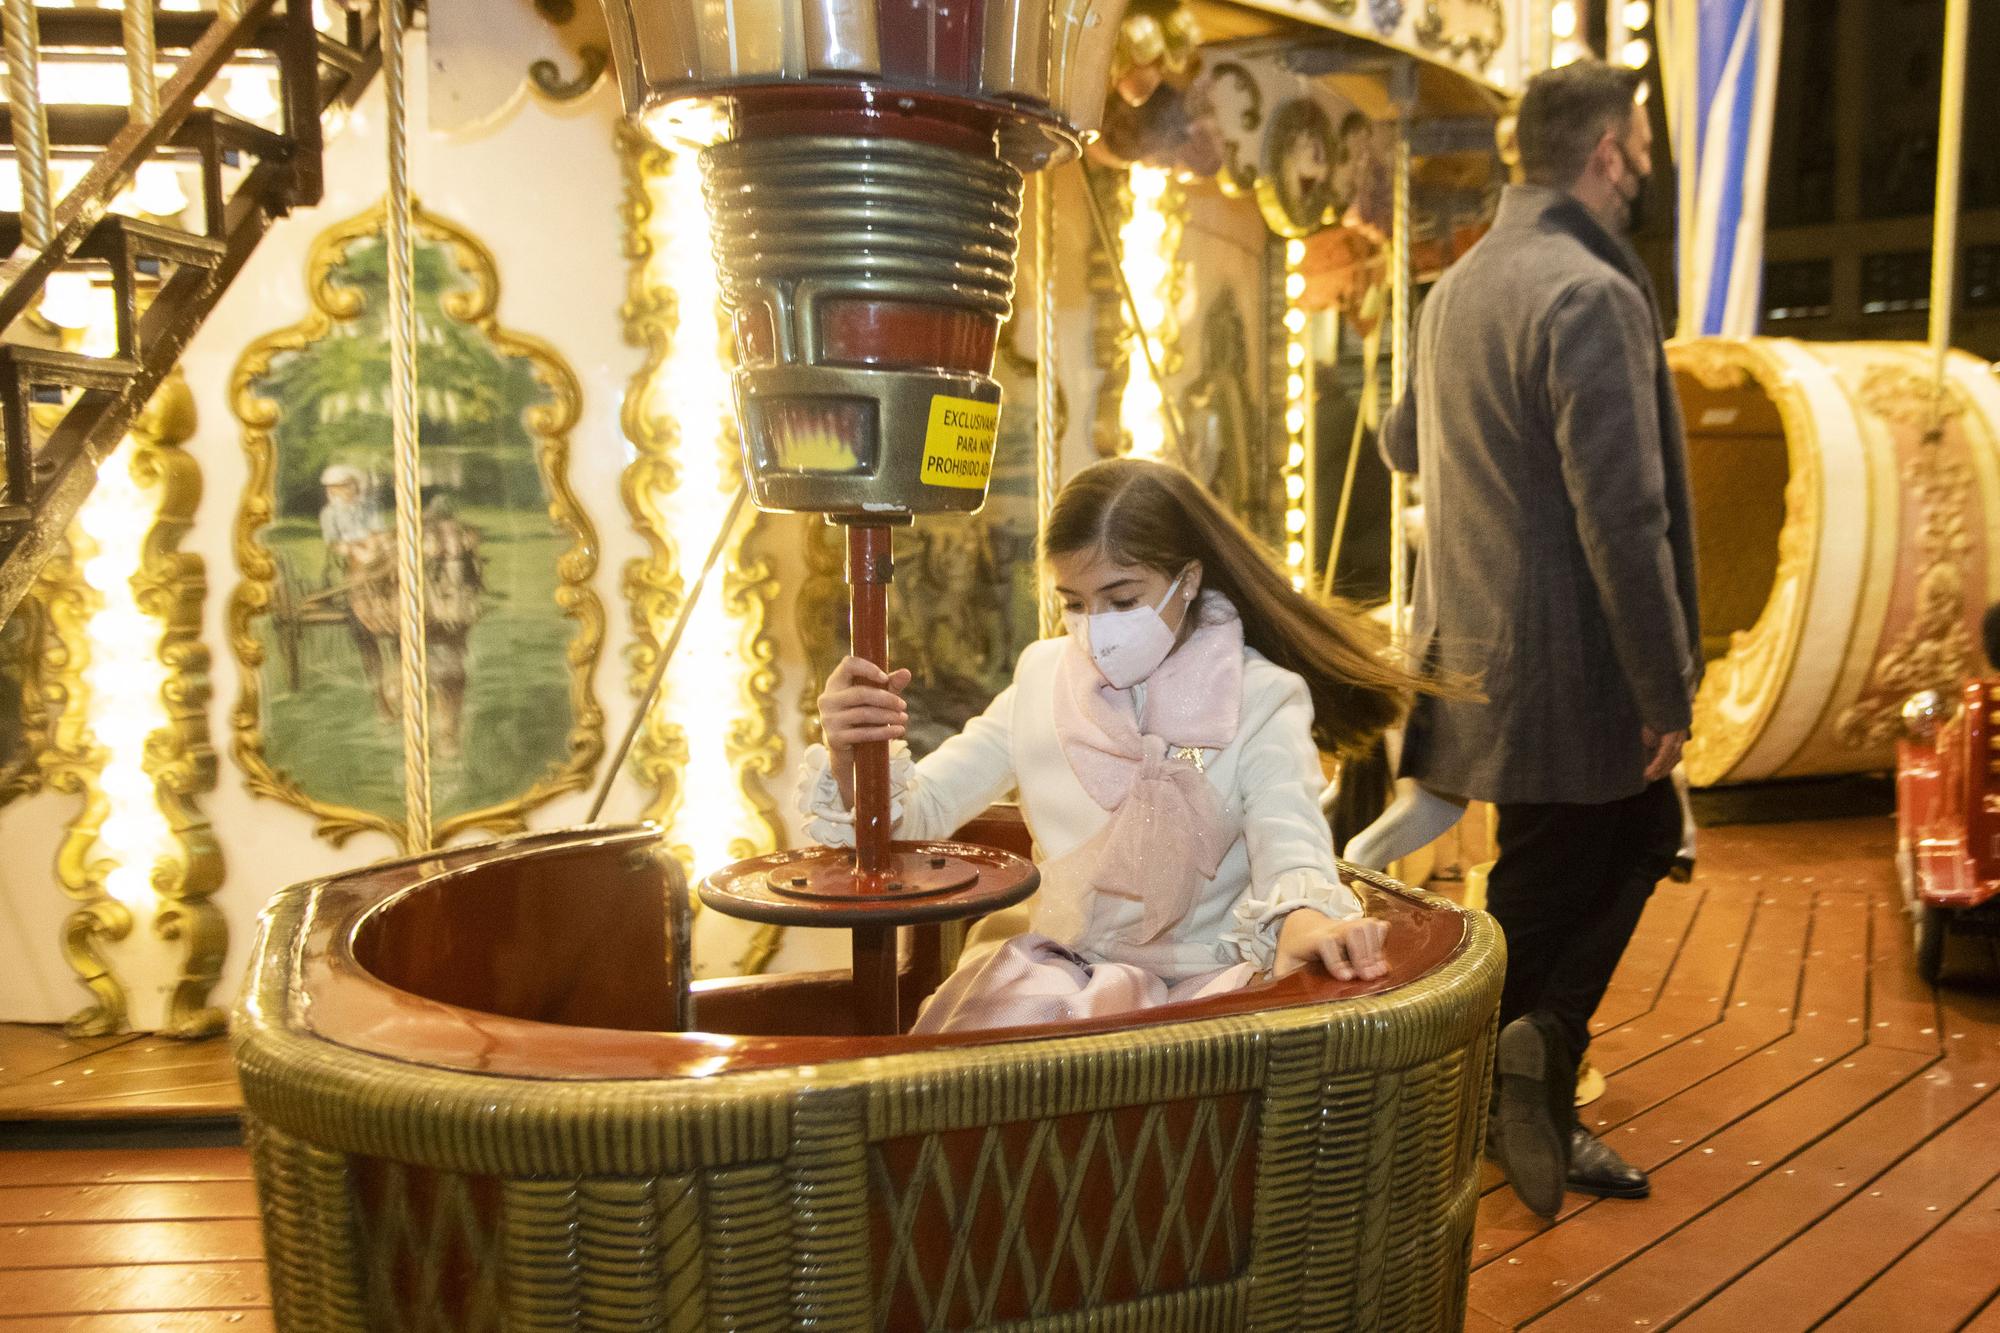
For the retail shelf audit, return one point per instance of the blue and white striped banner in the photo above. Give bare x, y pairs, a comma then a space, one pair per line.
1719, 61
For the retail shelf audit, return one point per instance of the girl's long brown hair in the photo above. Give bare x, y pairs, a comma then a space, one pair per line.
1142, 513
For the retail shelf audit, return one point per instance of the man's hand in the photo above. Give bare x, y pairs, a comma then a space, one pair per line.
1350, 950
1662, 751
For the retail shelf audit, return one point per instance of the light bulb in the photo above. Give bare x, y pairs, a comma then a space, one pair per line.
67, 300
1562, 19
252, 93
156, 190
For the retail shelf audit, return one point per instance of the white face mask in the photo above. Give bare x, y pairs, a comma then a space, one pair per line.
1127, 646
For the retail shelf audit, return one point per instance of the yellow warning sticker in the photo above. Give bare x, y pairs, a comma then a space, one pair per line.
958, 443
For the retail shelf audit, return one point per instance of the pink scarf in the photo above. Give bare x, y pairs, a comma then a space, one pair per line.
1165, 838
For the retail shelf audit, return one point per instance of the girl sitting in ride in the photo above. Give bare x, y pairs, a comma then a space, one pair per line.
1166, 758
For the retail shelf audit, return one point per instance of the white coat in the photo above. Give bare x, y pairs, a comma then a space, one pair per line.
1267, 780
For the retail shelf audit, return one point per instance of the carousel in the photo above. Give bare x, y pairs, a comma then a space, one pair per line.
482, 1083
546, 1012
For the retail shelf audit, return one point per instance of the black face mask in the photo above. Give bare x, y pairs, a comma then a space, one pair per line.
1635, 207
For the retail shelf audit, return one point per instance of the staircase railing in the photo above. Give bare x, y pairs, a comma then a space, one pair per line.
164, 280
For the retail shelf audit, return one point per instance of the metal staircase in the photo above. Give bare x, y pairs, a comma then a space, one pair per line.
64, 409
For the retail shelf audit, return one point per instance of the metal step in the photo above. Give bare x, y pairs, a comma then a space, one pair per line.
23, 369
116, 236
95, 126
22, 364
62, 27
45, 482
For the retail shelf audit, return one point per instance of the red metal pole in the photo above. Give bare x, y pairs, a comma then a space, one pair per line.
868, 575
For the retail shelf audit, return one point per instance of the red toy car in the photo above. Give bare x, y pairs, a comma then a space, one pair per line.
1948, 810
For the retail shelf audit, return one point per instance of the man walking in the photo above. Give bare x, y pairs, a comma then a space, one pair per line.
1558, 576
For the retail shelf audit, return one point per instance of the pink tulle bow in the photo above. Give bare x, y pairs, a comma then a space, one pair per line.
1163, 842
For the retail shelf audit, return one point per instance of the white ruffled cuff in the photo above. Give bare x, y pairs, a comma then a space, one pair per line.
1258, 920
829, 822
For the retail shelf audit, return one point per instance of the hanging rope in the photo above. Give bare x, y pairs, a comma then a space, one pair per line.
1047, 382
140, 59
403, 424
31, 123
1399, 379
666, 655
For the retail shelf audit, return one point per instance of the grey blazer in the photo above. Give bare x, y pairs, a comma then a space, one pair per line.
1558, 561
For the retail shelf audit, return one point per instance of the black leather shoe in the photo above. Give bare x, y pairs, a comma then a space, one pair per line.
1595, 1169
1533, 1116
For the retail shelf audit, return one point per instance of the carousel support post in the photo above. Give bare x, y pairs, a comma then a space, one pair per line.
869, 569
868, 574
1048, 467
1403, 87
1944, 227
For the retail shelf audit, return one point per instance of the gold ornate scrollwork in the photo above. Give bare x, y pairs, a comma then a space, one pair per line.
1112, 335
168, 587
1741, 687
1436, 33
1110, 349
1934, 650
549, 81
337, 304
70, 765
656, 583
22, 649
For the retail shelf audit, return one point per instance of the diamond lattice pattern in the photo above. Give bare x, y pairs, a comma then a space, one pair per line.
430, 1242
1038, 1217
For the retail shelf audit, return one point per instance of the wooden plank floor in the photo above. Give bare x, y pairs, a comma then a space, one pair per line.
1822, 1129
1823, 1132
45, 1075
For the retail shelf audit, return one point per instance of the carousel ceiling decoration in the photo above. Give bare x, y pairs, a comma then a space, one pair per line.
711, 742
129, 674
512, 625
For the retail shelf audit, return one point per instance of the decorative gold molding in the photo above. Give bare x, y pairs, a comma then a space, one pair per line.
169, 587
1112, 336
1934, 650
1742, 687
548, 424
656, 583
70, 765
1432, 33
1111, 349
22, 653
756, 747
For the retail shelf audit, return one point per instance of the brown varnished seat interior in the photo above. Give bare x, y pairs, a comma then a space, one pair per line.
547, 957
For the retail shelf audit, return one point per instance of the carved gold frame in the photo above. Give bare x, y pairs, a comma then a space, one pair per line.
1935, 650
25, 777
1112, 336
656, 583
549, 424
171, 585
